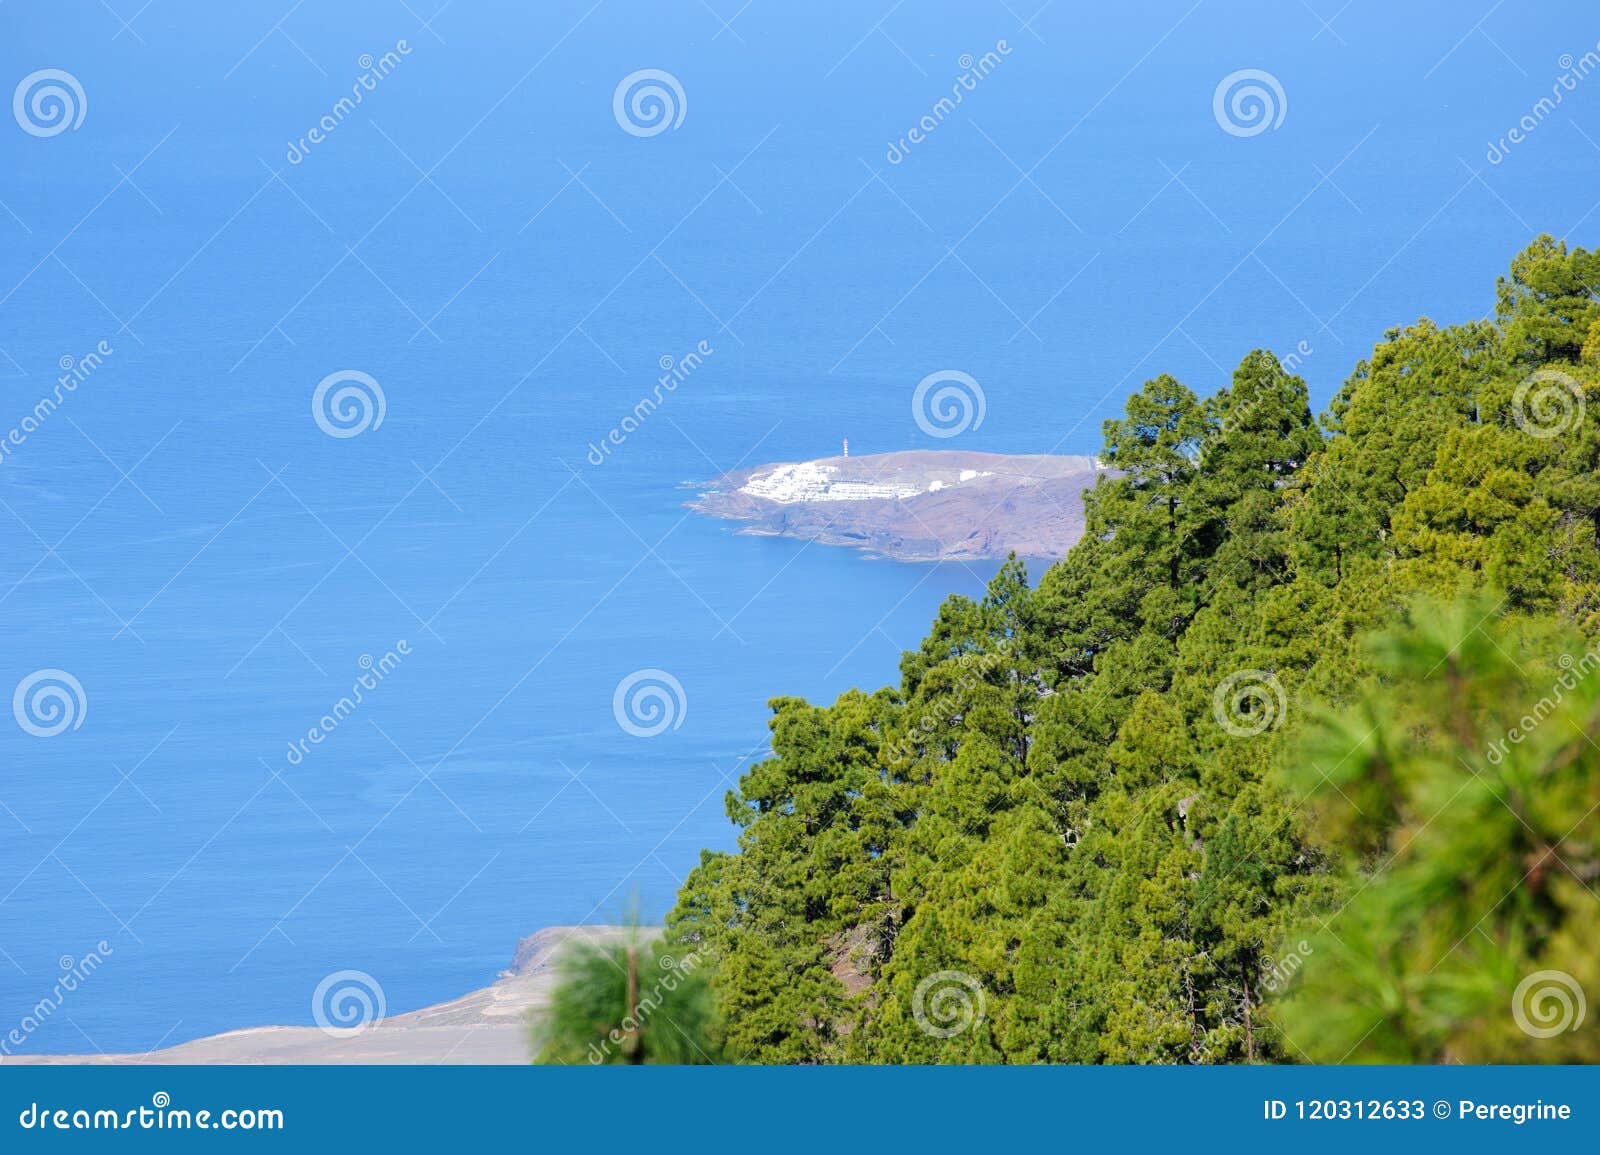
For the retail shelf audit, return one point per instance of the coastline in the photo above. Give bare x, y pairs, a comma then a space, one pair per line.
487, 1026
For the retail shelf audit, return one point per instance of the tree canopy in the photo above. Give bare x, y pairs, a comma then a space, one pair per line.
1235, 781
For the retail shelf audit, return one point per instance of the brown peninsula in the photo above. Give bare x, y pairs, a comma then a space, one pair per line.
914, 505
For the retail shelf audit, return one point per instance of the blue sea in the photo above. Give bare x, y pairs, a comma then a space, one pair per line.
340, 372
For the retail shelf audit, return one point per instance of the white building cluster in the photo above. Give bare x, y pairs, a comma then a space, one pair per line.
812, 481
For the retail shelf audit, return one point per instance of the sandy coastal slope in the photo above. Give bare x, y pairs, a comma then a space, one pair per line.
916, 505
487, 1026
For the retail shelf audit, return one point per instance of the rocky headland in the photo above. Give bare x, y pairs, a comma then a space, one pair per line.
914, 505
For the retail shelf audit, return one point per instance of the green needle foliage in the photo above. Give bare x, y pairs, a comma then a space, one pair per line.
628, 1003
1169, 805
1470, 774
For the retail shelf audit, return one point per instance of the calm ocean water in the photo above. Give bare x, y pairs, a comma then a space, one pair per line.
484, 240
